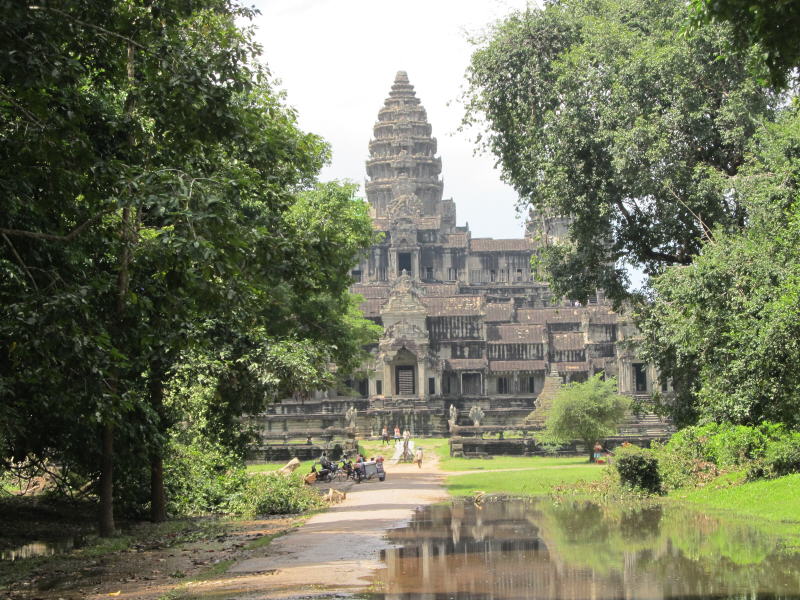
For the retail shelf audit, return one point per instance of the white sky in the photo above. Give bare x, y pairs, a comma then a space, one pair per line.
337, 59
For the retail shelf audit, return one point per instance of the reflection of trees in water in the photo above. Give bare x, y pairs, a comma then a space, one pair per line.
512, 549
685, 549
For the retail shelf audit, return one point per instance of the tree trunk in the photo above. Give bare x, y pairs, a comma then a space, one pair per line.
106, 516
590, 446
158, 500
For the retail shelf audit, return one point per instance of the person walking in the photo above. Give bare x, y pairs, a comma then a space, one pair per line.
385, 435
418, 457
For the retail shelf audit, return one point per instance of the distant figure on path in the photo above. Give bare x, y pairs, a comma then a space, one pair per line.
418, 457
396, 433
385, 435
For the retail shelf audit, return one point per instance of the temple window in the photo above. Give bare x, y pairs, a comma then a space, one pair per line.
432, 386
379, 387
404, 262
502, 385
639, 377
356, 275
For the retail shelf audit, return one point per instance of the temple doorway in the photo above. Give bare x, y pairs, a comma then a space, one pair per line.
405, 378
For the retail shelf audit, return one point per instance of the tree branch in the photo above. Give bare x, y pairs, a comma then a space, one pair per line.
21, 262
54, 237
90, 25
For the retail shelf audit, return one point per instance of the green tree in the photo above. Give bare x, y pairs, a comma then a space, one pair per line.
772, 24
154, 185
603, 111
588, 411
732, 318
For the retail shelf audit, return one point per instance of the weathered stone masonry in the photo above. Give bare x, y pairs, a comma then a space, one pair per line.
465, 321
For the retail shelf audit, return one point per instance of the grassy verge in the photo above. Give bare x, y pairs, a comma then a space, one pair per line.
534, 482
770, 499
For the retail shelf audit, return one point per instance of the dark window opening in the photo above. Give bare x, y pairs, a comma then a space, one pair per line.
446, 384
356, 276
471, 383
640, 377
363, 388
519, 274
474, 351
429, 273
404, 262
530, 385
432, 386
379, 387
493, 276
664, 386
502, 385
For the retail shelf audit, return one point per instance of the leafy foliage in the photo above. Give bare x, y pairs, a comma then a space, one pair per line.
603, 112
696, 454
770, 24
274, 494
588, 411
732, 317
159, 209
637, 468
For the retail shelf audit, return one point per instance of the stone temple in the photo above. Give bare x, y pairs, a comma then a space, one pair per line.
465, 321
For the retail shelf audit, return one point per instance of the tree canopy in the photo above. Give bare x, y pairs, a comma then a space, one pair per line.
771, 24
587, 411
728, 325
605, 112
159, 205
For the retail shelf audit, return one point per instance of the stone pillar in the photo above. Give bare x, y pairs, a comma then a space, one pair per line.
388, 380
422, 374
391, 271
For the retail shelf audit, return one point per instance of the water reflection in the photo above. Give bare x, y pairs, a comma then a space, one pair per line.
529, 549
32, 549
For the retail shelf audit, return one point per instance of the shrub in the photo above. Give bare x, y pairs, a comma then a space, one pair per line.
201, 477
781, 457
732, 446
638, 468
275, 494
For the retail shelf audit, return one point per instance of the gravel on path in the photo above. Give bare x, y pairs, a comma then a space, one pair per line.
336, 551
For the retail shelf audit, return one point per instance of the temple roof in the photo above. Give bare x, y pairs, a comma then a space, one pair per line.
403, 168
454, 306
506, 366
515, 333
492, 245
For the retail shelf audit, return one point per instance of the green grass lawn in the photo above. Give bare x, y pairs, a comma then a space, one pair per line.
772, 499
535, 482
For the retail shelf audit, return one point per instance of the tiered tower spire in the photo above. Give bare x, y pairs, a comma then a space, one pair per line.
402, 168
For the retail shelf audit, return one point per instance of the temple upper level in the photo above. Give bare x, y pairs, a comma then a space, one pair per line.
403, 170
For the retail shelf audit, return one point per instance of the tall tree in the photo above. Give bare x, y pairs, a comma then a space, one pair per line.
732, 317
151, 180
605, 112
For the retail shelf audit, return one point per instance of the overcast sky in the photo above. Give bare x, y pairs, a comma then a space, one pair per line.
336, 60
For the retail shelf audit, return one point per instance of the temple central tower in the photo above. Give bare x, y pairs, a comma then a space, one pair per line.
403, 169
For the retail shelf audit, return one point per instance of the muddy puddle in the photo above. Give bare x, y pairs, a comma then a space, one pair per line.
537, 549
21, 549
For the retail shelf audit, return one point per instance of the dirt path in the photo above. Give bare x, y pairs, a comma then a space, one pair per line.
335, 551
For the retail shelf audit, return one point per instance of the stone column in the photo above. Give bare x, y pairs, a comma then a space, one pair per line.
388, 383
422, 390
